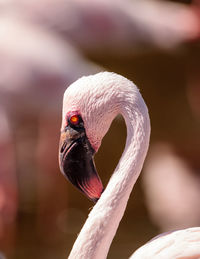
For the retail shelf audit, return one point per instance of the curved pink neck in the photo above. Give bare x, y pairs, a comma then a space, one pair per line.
97, 234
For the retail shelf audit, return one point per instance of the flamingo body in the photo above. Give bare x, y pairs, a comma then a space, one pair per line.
178, 244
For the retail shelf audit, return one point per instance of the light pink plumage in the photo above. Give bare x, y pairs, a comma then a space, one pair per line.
99, 99
115, 26
181, 244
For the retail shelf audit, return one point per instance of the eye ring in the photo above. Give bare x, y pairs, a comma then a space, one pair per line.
74, 119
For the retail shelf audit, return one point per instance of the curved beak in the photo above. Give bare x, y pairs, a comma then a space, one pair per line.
77, 164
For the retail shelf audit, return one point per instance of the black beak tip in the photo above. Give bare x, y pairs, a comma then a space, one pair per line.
77, 165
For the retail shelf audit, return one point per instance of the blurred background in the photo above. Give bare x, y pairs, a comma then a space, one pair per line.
46, 45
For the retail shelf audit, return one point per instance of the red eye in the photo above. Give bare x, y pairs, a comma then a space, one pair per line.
74, 119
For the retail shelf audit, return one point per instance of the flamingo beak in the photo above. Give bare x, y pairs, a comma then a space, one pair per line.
77, 163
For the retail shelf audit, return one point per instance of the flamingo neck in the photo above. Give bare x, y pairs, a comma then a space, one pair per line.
99, 230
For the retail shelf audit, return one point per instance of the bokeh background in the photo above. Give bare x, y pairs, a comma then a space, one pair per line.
46, 45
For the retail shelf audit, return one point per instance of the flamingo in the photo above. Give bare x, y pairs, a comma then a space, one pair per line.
89, 106
30, 71
112, 26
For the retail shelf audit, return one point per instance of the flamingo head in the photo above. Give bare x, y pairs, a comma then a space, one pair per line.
89, 106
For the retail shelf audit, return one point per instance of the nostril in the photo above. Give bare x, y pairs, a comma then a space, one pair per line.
63, 147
